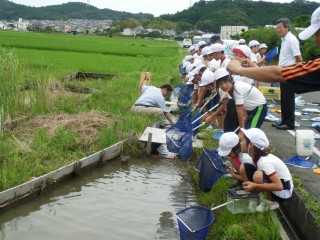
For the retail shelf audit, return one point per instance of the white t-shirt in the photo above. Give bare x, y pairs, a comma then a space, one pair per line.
290, 48
214, 65
152, 96
224, 63
253, 57
271, 165
243, 79
247, 95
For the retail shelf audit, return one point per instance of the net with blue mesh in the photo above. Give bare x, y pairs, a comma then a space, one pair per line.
210, 167
179, 139
271, 54
194, 222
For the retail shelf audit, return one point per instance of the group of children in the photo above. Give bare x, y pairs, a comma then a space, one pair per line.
241, 105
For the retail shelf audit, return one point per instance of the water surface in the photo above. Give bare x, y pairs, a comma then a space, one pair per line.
119, 201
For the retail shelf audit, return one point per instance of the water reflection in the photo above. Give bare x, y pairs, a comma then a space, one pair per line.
132, 201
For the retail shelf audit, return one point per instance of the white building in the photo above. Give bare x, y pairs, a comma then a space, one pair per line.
22, 25
228, 31
128, 32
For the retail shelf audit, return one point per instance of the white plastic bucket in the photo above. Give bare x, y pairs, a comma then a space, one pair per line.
304, 142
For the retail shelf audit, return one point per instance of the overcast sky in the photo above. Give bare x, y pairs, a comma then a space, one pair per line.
155, 7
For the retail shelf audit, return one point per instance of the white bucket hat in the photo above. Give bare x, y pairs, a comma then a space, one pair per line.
257, 137
263, 45
206, 78
217, 47
206, 51
242, 41
253, 43
220, 73
315, 25
243, 50
191, 48
227, 141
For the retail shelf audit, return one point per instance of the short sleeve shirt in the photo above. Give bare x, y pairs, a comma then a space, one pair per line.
152, 96
290, 48
247, 95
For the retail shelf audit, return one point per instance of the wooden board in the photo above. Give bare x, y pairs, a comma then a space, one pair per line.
144, 75
159, 136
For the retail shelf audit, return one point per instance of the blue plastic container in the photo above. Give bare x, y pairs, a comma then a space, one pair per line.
194, 222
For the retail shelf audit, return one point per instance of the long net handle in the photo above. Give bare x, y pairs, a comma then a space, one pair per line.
208, 100
221, 205
206, 113
173, 141
199, 126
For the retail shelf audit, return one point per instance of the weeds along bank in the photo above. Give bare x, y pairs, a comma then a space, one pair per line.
56, 126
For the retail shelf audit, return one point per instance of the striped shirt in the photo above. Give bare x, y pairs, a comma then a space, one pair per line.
303, 77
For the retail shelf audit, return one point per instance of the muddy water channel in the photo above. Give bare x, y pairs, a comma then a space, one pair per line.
135, 200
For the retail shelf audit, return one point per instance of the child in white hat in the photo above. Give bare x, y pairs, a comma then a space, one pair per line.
267, 173
229, 147
251, 105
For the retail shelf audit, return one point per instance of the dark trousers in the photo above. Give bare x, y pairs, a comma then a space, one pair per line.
231, 121
287, 105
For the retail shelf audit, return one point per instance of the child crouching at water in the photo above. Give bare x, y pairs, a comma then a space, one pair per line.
267, 173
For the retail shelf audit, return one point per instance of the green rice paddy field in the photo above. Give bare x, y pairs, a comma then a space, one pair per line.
43, 60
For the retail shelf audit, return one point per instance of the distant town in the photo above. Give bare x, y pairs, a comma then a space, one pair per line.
94, 26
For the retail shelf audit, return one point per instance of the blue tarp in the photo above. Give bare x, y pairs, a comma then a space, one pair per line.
300, 162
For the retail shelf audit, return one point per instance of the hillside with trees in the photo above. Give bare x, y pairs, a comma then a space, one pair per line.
71, 10
211, 15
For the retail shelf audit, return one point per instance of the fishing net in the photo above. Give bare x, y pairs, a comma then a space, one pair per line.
179, 139
210, 167
194, 222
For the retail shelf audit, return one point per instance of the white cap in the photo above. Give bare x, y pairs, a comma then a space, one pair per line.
242, 41
253, 43
206, 50
243, 50
189, 67
221, 72
191, 48
227, 141
197, 69
201, 43
217, 47
207, 78
263, 45
315, 25
196, 48
257, 137
186, 64
190, 77
187, 58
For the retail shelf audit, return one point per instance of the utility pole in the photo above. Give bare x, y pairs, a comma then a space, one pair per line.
88, 4
191, 2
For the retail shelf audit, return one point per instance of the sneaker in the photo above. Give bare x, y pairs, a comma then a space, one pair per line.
217, 134
200, 136
211, 128
266, 205
227, 176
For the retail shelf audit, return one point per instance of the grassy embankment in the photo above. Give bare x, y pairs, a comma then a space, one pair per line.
39, 62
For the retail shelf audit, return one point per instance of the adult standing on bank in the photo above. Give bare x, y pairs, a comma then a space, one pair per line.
289, 55
302, 78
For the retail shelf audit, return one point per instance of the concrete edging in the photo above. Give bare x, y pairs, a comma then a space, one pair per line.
14, 195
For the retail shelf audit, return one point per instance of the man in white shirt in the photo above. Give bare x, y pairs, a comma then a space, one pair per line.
289, 55
152, 101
